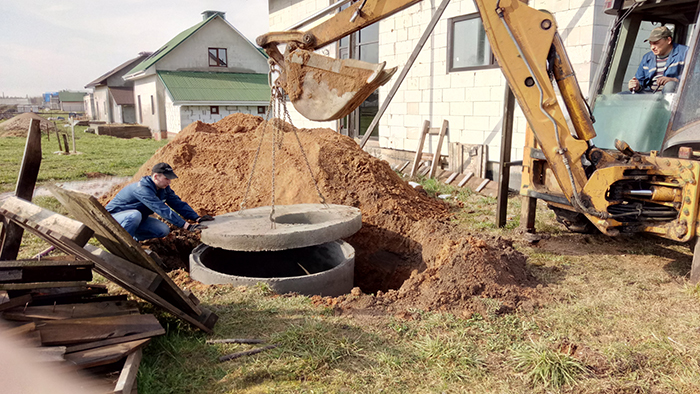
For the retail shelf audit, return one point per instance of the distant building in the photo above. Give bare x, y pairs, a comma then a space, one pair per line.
112, 98
71, 101
204, 73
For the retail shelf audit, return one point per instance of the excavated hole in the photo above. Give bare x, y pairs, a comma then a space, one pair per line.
283, 263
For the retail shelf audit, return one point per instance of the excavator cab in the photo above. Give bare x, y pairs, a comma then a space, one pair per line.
640, 120
626, 124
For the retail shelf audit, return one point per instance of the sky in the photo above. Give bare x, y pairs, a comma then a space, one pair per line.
52, 45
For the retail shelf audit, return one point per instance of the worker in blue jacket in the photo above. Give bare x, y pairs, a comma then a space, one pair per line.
660, 68
134, 204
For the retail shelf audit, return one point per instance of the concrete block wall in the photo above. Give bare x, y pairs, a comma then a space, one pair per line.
471, 101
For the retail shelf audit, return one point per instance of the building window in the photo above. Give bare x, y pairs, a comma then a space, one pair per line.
140, 109
467, 45
214, 110
217, 57
261, 110
153, 106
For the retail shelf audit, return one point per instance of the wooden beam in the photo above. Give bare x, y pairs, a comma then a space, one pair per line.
127, 377
28, 173
419, 149
69, 228
76, 331
105, 355
438, 148
114, 341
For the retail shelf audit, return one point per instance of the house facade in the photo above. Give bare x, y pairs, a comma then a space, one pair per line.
204, 73
454, 77
112, 98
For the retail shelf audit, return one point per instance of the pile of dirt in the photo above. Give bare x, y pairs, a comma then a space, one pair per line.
18, 126
407, 252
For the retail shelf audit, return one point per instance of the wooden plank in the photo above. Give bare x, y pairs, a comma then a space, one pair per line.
40, 285
10, 275
127, 378
465, 179
419, 149
69, 228
88, 210
72, 311
404, 165
114, 341
16, 301
75, 331
53, 273
438, 148
26, 180
21, 330
204, 320
51, 353
482, 185
136, 275
451, 178
45, 263
104, 355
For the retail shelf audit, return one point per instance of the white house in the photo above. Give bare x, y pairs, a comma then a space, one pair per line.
112, 98
454, 77
204, 73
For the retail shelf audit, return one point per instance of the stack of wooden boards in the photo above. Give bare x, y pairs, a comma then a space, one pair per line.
51, 305
52, 299
95, 330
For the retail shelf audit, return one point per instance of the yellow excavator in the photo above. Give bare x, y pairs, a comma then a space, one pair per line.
588, 174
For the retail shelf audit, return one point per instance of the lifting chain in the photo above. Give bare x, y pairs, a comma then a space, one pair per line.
275, 118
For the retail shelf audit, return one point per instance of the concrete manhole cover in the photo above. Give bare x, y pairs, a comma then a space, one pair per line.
295, 226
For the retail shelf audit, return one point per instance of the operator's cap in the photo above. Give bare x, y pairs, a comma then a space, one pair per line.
659, 33
165, 169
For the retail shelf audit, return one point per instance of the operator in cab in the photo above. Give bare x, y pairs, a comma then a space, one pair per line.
134, 204
661, 68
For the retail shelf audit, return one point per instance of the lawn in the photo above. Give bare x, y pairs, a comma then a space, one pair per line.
98, 155
616, 315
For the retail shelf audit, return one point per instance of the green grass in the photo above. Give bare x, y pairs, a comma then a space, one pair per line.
99, 154
613, 316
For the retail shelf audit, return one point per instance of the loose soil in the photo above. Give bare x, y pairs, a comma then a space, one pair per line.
408, 253
18, 126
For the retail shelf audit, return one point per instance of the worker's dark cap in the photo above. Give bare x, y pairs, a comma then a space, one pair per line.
659, 33
165, 169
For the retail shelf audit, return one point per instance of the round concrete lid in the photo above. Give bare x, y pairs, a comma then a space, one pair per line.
293, 226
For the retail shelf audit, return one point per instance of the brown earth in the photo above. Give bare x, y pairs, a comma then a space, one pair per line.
407, 252
18, 126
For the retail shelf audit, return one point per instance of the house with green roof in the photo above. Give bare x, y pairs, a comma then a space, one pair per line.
204, 73
71, 101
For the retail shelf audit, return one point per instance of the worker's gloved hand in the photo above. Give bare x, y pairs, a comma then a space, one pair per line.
194, 227
204, 218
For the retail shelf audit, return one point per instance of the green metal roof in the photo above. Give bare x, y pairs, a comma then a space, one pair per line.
165, 49
66, 96
209, 87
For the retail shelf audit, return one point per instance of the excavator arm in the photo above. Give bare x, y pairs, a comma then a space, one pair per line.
532, 57
524, 41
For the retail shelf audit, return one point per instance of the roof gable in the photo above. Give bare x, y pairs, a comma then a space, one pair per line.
102, 80
179, 39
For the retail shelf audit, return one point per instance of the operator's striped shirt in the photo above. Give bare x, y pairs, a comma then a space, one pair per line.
660, 69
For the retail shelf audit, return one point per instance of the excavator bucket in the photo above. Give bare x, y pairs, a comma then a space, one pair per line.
323, 88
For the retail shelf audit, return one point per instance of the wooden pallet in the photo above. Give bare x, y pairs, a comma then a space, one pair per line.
144, 279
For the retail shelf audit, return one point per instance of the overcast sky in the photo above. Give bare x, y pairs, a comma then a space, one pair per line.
52, 45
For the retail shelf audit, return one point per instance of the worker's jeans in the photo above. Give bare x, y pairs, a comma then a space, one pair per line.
139, 227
